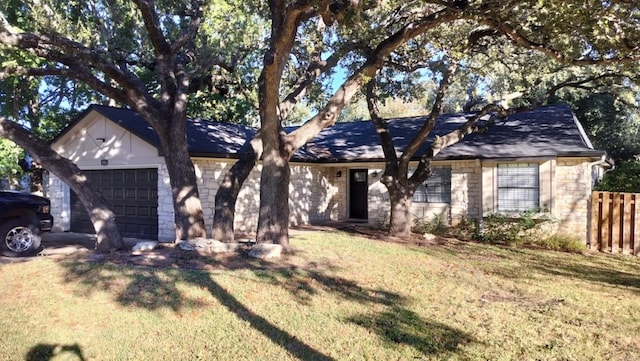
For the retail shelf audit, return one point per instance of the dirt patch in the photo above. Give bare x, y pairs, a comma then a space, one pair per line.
168, 255
80, 247
378, 234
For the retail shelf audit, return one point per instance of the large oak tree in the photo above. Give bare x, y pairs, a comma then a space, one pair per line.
151, 56
401, 35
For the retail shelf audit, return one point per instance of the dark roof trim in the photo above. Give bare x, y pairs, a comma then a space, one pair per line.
596, 154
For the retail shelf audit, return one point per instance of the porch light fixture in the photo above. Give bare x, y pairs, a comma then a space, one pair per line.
104, 161
375, 174
339, 174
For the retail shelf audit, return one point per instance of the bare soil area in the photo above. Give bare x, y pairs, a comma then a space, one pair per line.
79, 246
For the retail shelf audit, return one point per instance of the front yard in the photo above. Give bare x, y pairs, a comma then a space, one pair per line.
338, 297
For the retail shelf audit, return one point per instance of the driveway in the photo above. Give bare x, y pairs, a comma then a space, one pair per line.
63, 244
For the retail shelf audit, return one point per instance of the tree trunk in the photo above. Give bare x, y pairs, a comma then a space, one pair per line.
401, 198
189, 219
273, 221
227, 195
98, 208
108, 237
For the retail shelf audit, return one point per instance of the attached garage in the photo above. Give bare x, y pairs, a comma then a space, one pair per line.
133, 194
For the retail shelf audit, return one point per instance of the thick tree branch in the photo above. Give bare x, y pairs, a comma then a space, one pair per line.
152, 24
386, 140
469, 127
328, 115
80, 60
581, 83
189, 33
427, 127
316, 68
523, 41
94, 82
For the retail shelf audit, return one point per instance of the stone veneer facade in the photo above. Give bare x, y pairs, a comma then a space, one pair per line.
572, 195
319, 194
465, 196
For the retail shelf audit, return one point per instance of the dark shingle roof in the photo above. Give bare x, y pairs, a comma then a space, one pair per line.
544, 132
206, 138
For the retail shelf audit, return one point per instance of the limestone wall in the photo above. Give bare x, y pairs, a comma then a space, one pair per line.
58, 193
572, 192
465, 196
320, 193
466, 191
315, 194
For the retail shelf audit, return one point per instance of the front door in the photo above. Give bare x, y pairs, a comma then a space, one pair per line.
358, 190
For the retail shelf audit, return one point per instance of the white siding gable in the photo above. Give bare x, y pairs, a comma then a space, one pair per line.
97, 138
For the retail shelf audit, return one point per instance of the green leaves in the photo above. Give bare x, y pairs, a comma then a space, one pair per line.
624, 178
10, 155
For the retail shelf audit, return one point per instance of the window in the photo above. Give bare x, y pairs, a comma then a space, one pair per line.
436, 189
518, 187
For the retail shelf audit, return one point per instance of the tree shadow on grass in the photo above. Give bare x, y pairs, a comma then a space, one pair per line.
139, 287
303, 284
520, 263
156, 288
594, 268
289, 342
398, 325
45, 352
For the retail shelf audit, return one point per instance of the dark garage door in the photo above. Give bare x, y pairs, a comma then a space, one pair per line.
133, 194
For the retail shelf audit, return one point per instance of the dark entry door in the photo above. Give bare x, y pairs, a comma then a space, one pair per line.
133, 194
358, 190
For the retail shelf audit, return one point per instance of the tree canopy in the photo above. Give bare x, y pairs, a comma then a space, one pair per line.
162, 59
238, 60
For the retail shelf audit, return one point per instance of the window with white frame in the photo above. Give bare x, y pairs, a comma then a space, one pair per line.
437, 188
518, 187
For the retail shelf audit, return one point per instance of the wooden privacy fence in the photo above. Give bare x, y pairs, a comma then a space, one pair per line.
614, 222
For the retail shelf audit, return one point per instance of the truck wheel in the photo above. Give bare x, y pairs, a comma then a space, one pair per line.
19, 238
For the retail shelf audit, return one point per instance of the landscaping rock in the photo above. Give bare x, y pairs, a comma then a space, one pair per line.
144, 246
265, 251
209, 246
430, 237
186, 246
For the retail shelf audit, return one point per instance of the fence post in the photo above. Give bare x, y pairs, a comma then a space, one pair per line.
616, 231
595, 228
627, 225
607, 224
635, 218
594, 232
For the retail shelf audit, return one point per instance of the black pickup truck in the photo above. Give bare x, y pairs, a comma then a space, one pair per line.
23, 217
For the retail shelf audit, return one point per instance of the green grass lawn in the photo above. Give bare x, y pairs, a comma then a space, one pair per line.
338, 297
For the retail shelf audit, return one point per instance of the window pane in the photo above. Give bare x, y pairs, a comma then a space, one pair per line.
518, 187
420, 195
436, 189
